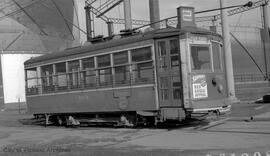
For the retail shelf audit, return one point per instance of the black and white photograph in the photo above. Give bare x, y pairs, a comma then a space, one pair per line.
135, 77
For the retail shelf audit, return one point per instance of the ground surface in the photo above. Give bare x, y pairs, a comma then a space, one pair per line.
238, 136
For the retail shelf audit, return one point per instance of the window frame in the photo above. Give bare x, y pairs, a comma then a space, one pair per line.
64, 72
74, 77
135, 64
209, 46
49, 86
97, 61
33, 89
221, 56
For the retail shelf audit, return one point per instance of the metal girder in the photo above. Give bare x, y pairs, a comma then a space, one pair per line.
205, 18
232, 12
108, 5
13, 41
134, 22
96, 12
90, 1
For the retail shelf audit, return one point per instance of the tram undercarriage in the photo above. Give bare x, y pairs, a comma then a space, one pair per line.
127, 119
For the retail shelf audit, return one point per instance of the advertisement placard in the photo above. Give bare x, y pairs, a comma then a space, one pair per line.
199, 85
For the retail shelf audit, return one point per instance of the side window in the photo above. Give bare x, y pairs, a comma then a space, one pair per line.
105, 76
73, 73
88, 63
47, 78
32, 84
216, 51
89, 72
121, 67
141, 54
104, 70
61, 76
142, 67
104, 61
120, 58
200, 57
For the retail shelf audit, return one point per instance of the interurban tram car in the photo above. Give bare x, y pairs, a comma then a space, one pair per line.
160, 75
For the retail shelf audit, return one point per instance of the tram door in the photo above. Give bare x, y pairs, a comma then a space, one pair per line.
168, 71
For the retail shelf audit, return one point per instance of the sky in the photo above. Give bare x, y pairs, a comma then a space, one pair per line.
140, 10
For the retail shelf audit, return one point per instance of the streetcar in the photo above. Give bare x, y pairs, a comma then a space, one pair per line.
151, 77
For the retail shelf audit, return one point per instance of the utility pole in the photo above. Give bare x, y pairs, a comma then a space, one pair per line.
89, 28
154, 13
266, 39
127, 12
2, 100
228, 51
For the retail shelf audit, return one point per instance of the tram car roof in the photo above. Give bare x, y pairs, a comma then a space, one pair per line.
154, 34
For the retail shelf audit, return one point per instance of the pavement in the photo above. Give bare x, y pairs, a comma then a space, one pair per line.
249, 110
237, 136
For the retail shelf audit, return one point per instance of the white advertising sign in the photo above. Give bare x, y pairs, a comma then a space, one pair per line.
187, 15
199, 85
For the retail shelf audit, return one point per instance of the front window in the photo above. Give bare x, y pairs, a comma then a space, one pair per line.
200, 57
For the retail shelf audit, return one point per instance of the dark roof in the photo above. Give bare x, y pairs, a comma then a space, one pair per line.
155, 34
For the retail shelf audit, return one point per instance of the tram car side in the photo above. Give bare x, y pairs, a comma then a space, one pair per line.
162, 75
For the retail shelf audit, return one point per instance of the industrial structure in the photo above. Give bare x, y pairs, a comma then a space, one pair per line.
28, 29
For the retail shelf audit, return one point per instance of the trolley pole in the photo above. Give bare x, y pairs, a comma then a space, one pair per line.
228, 52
